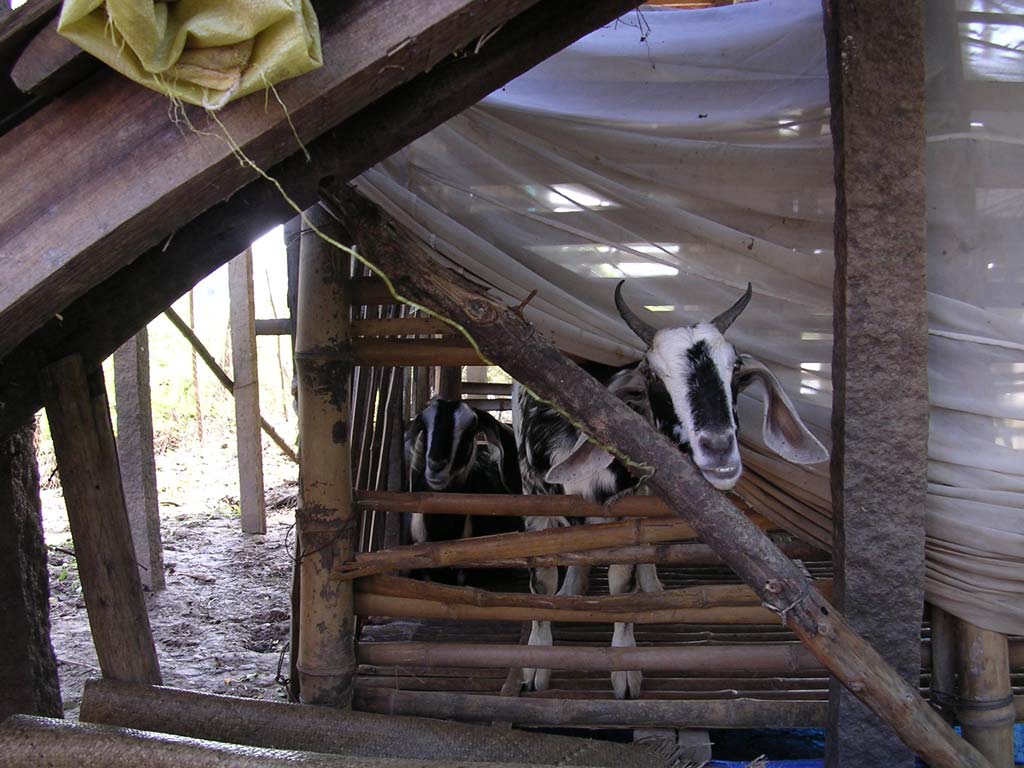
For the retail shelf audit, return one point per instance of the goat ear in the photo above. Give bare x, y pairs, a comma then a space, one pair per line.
583, 462
783, 431
503, 441
415, 451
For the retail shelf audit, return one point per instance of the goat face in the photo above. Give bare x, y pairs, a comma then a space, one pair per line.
449, 428
694, 376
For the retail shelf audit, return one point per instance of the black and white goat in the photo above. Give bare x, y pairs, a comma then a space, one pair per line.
442, 454
686, 384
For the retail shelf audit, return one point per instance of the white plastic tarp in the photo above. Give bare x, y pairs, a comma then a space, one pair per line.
689, 152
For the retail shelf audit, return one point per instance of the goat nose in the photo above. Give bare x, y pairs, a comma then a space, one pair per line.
716, 444
434, 465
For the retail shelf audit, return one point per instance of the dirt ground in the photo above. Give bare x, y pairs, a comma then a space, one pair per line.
222, 622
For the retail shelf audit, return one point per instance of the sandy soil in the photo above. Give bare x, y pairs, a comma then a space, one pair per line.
222, 622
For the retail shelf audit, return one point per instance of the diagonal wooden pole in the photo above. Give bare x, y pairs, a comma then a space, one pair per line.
506, 339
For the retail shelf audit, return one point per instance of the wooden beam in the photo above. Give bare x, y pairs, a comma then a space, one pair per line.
508, 340
104, 317
246, 393
110, 136
880, 354
83, 440
50, 64
402, 352
324, 729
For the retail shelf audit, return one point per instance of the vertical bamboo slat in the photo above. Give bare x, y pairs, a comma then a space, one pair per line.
83, 440
985, 706
943, 651
325, 523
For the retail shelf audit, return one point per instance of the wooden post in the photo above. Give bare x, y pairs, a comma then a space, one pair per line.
135, 456
325, 521
247, 394
83, 439
880, 354
985, 704
508, 340
28, 669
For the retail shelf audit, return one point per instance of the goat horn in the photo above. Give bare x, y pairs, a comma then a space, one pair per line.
638, 326
727, 318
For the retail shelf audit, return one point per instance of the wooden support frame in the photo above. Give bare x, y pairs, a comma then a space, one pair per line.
508, 340
246, 393
326, 527
83, 440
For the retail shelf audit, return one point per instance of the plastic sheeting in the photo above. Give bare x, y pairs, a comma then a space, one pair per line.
689, 152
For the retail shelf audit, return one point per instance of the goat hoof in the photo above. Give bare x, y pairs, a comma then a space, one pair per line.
627, 685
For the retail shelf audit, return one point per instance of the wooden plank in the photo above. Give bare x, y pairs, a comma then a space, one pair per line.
511, 342
51, 64
136, 457
880, 353
83, 440
401, 352
247, 394
95, 325
107, 169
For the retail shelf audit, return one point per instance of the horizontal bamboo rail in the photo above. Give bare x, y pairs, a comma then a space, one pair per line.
704, 660
412, 352
326, 729
705, 596
688, 553
452, 554
368, 290
490, 405
468, 707
510, 506
274, 326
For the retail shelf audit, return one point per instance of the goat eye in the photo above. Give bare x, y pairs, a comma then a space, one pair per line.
737, 365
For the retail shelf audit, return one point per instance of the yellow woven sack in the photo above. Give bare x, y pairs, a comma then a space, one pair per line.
204, 52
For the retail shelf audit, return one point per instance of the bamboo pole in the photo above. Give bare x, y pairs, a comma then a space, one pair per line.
223, 378
451, 554
325, 524
690, 553
700, 660
479, 504
943, 656
985, 706
508, 340
324, 729
535, 711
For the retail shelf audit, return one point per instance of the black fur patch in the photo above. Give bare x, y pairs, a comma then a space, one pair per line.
708, 403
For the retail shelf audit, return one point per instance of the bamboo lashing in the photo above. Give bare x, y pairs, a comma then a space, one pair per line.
508, 340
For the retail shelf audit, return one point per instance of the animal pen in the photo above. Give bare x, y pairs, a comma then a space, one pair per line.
798, 600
